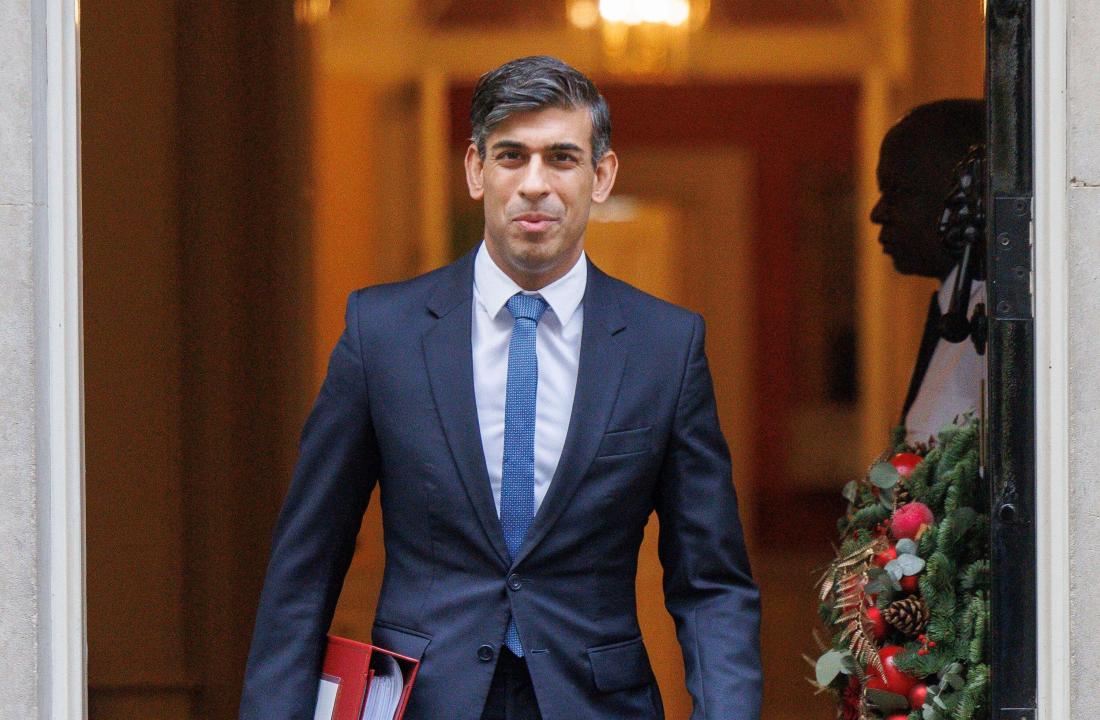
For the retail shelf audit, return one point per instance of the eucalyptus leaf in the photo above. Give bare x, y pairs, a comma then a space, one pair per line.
905, 565
954, 680
884, 475
828, 667
850, 491
946, 701
931, 712
886, 498
905, 546
886, 701
875, 587
880, 582
895, 570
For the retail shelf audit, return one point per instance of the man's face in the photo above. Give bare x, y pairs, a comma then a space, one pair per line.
912, 193
538, 183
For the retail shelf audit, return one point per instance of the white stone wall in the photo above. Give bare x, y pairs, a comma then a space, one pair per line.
1083, 169
18, 494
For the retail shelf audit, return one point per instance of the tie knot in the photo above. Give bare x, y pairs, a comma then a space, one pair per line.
527, 306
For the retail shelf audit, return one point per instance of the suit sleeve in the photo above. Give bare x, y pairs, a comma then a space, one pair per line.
314, 540
709, 590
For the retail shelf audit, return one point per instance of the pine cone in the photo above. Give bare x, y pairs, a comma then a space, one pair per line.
910, 616
901, 493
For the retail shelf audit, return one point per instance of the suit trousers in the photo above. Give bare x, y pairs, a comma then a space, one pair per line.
511, 696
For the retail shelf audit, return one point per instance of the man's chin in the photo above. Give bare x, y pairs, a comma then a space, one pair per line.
535, 252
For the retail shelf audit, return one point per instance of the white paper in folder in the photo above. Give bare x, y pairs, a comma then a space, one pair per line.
326, 698
384, 693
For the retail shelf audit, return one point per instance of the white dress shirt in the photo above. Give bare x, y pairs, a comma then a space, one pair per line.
558, 348
952, 383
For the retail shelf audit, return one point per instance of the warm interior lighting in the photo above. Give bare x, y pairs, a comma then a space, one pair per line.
584, 14
641, 36
309, 12
635, 12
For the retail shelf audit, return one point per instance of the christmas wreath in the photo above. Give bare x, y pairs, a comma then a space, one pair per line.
906, 601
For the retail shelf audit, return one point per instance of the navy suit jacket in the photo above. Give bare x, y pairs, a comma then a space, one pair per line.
397, 411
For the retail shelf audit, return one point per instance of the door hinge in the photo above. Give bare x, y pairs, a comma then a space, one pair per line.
1010, 283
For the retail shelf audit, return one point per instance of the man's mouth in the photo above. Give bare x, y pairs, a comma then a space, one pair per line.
535, 222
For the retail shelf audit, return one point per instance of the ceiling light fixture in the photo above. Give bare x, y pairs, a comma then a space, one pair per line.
641, 36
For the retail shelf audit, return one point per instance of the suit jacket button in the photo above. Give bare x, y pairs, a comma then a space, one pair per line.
514, 582
485, 653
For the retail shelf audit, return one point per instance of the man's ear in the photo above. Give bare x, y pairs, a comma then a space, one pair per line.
606, 169
474, 166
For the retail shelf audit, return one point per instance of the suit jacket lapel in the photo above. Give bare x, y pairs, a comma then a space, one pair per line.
448, 355
599, 373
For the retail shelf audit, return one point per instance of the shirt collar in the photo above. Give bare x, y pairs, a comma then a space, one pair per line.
948, 286
493, 287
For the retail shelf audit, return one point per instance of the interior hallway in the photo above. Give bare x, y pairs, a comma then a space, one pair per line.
243, 172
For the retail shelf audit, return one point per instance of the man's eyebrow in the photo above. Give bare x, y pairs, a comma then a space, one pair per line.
511, 144
516, 145
567, 146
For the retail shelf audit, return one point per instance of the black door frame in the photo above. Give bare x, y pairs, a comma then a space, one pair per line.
1010, 428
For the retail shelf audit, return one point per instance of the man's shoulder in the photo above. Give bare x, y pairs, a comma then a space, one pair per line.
642, 307
414, 291
409, 287
402, 306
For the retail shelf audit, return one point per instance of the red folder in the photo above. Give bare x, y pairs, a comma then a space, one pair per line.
348, 671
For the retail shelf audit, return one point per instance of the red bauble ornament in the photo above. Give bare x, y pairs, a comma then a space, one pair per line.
905, 463
910, 584
909, 519
851, 699
882, 558
918, 694
895, 680
898, 716
878, 624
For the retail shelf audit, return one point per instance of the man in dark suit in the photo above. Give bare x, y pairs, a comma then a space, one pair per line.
523, 415
915, 174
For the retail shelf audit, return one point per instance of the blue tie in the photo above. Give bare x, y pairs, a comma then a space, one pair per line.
517, 491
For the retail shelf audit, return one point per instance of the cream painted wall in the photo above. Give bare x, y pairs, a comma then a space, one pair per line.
20, 335
1082, 295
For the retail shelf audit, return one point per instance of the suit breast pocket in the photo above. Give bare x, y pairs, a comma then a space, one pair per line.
626, 442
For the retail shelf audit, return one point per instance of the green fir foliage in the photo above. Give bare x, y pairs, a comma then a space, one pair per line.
975, 576
869, 516
897, 438
973, 697
953, 654
978, 646
919, 482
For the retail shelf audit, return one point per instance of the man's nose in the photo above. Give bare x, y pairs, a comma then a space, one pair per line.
534, 185
878, 213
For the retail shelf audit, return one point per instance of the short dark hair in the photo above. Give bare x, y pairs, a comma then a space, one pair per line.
535, 83
939, 134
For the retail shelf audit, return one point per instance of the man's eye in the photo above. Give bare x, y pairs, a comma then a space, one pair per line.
508, 155
563, 158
